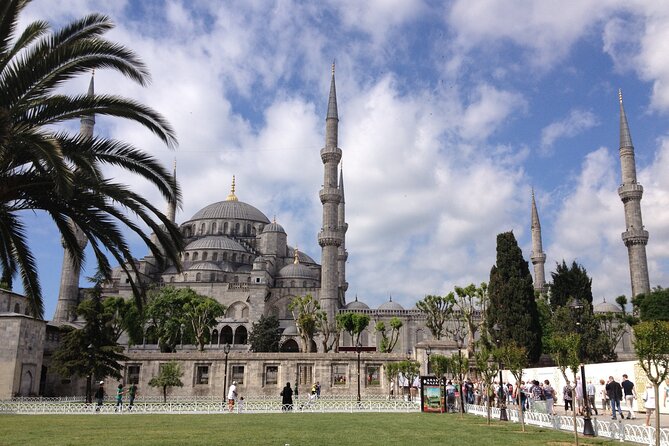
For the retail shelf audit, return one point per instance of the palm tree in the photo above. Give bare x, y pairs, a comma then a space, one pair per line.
61, 173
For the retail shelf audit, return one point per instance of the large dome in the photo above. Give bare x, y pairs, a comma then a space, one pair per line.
230, 209
606, 307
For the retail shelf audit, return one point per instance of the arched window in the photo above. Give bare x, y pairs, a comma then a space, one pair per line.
212, 278
197, 277
204, 255
236, 279
213, 228
292, 284
253, 231
226, 335
172, 279
236, 228
187, 257
304, 284
245, 312
225, 256
241, 335
234, 257
17, 308
194, 256
185, 277
248, 279
290, 346
214, 336
202, 228
225, 227
214, 257
248, 229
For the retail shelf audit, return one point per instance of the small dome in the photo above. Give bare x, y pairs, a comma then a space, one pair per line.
170, 270
204, 266
606, 307
290, 331
273, 227
297, 271
302, 257
356, 305
391, 306
215, 242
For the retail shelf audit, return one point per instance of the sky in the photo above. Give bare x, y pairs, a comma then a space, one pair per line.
450, 114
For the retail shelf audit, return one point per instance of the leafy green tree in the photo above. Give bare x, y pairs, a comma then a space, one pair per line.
265, 336
566, 320
653, 306
511, 296
487, 369
410, 371
125, 318
388, 342
305, 312
437, 310
165, 316
354, 324
169, 376
45, 167
515, 359
651, 344
201, 313
460, 366
440, 365
91, 351
391, 371
570, 283
565, 351
330, 331
468, 303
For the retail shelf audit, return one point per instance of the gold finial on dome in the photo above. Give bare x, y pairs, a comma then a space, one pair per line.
296, 258
232, 196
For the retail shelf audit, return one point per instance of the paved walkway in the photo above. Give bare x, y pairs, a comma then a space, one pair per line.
640, 417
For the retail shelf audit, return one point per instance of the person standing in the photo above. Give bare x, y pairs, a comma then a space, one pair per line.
649, 402
567, 396
318, 389
100, 396
590, 389
615, 392
119, 398
601, 391
287, 398
232, 396
630, 396
297, 392
549, 394
132, 393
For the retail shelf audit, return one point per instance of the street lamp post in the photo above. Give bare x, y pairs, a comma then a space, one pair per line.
428, 352
587, 418
226, 350
502, 397
182, 335
358, 349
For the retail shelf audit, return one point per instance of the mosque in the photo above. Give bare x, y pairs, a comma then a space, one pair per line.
237, 256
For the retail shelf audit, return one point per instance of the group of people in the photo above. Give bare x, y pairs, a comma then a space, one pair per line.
288, 392
120, 391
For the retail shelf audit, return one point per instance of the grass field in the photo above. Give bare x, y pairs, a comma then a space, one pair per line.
413, 429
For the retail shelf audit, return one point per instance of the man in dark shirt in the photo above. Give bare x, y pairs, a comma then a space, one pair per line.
615, 392
630, 395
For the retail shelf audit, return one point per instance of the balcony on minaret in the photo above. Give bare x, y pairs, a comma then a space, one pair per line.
635, 236
329, 195
329, 154
330, 237
537, 258
628, 192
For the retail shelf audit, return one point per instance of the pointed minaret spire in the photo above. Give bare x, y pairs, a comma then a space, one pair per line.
330, 238
635, 236
232, 196
537, 255
88, 122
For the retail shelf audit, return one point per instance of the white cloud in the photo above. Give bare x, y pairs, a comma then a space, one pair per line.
573, 124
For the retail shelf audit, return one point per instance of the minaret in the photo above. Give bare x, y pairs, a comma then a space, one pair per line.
537, 256
172, 204
635, 237
342, 254
68, 294
330, 237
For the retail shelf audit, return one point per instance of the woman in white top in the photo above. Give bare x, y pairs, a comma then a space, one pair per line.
649, 402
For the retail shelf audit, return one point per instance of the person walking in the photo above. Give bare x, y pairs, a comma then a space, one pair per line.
590, 389
232, 396
649, 402
132, 393
100, 396
119, 398
287, 398
615, 392
630, 396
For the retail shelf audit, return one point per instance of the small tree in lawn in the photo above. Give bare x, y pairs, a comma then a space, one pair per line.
515, 358
410, 370
330, 331
487, 370
437, 310
460, 365
469, 302
354, 324
391, 371
200, 313
305, 312
440, 365
169, 376
564, 349
388, 342
651, 345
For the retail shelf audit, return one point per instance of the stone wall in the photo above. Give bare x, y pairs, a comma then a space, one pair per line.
21, 352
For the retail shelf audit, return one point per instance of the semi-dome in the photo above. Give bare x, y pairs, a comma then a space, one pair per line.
290, 331
205, 266
230, 209
356, 305
297, 271
606, 307
391, 306
302, 257
215, 242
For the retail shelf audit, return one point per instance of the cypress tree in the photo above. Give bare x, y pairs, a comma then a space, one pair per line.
512, 303
570, 283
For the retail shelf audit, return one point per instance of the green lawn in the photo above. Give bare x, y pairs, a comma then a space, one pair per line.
412, 429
